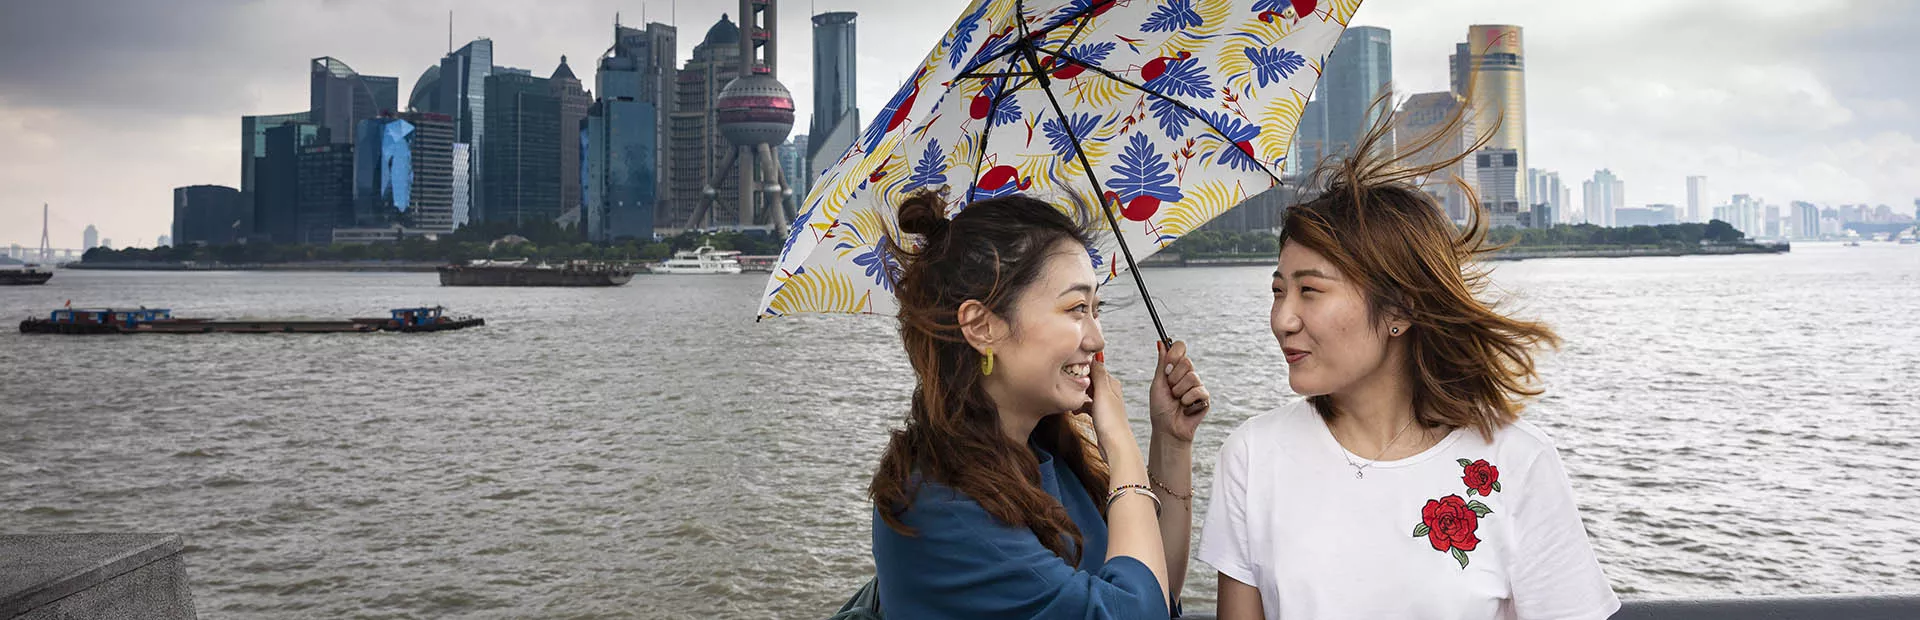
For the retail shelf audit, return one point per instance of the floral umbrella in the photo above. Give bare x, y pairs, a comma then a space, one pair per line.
1170, 111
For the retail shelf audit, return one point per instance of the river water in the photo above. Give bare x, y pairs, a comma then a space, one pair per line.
1733, 425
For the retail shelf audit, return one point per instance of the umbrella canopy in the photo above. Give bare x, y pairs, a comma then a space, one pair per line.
1170, 112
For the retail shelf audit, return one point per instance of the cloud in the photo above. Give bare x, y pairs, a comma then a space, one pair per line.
106, 105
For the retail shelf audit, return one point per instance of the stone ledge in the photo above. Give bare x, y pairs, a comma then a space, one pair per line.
37, 570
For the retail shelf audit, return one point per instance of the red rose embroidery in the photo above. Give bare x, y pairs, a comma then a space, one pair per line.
1452, 524
1480, 477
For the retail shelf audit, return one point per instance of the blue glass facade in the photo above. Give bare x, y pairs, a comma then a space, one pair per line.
463, 94
623, 138
382, 170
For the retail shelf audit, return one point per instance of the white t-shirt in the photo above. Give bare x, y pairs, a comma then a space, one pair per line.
1431, 536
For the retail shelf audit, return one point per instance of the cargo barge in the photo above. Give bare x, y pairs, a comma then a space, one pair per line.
80, 321
519, 273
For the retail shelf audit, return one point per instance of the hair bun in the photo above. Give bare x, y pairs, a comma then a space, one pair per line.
924, 213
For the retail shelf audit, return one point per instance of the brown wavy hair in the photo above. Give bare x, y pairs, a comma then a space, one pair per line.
1471, 365
992, 252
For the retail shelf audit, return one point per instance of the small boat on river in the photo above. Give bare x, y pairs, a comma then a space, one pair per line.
27, 274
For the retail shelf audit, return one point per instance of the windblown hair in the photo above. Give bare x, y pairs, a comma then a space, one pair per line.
992, 252
1470, 365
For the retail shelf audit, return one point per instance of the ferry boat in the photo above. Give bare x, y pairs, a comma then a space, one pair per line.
29, 274
80, 321
518, 273
703, 260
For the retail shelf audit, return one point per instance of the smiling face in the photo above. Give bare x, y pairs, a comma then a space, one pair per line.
1051, 333
1323, 324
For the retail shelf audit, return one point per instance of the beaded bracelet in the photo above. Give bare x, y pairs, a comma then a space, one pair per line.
1123, 490
1169, 490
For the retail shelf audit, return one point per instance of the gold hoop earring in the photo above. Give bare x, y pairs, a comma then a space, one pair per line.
986, 363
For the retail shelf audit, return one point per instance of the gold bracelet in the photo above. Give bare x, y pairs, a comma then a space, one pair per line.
1188, 497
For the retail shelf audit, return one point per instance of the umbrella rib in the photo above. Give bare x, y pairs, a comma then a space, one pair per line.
1182, 105
1106, 207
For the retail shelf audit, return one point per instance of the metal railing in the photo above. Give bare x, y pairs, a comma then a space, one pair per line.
1860, 607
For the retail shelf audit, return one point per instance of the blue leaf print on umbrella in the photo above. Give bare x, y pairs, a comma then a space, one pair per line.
1177, 76
1092, 53
1274, 64
880, 264
931, 171
963, 34
1063, 144
793, 232
1071, 10
1172, 17
894, 114
1006, 111
1271, 6
1098, 260
1239, 136
1141, 180
1173, 120
994, 45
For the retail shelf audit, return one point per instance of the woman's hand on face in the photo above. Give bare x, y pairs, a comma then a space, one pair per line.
1178, 400
1109, 411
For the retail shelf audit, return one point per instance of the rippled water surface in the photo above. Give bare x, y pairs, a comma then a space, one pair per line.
1734, 425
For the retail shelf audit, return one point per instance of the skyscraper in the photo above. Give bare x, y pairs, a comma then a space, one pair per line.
1500, 186
697, 146
276, 196
426, 93
253, 143
325, 192
210, 214
1420, 116
463, 94
431, 151
462, 184
1359, 70
836, 122
626, 135
1696, 199
573, 101
402, 178
1603, 195
1545, 188
90, 239
1494, 64
793, 163
341, 98
522, 154
382, 172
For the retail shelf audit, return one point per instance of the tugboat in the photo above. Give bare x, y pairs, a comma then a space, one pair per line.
518, 273
161, 321
30, 274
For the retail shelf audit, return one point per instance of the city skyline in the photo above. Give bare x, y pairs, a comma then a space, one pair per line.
1781, 102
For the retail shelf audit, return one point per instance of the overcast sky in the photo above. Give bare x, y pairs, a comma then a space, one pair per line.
106, 105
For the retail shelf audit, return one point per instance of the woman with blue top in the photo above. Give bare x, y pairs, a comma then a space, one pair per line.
1016, 488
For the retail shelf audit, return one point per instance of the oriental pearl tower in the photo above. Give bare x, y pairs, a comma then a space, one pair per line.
755, 113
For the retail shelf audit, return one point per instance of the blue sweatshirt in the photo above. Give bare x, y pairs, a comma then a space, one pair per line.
962, 563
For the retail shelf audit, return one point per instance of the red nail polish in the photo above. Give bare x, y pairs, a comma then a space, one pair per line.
1100, 356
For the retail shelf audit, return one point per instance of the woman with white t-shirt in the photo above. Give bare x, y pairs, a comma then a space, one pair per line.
1404, 486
